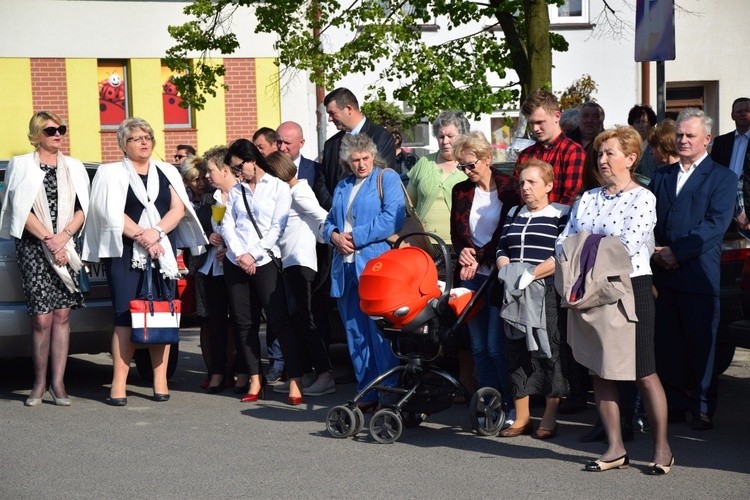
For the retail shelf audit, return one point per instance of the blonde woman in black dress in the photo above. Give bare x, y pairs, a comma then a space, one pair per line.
44, 207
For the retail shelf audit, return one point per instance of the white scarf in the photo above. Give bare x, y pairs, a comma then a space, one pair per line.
150, 217
66, 200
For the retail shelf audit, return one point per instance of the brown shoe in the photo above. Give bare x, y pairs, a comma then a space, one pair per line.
545, 433
517, 431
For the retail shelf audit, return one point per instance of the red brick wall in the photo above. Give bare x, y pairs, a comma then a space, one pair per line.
49, 89
110, 150
241, 98
173, 137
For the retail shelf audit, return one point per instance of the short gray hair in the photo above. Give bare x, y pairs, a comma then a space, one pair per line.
570, 117
451, 117
689, 113
130, 125
361, 143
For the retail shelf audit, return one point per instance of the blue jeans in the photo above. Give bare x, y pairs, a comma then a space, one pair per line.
488, 340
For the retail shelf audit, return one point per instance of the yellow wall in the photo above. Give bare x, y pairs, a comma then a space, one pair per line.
146, 103
211, 121
83, 110
267, 92
16, 106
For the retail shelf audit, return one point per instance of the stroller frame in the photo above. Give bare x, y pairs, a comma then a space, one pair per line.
423, 388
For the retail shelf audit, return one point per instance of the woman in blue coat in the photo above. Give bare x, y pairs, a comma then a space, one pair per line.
357, 226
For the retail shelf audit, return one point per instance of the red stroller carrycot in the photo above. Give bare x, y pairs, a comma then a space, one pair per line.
400, 291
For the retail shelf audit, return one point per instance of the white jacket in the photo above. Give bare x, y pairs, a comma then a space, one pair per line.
106, 220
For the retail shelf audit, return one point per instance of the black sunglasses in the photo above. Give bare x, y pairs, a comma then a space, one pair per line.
237, 167
464, 166
51, 131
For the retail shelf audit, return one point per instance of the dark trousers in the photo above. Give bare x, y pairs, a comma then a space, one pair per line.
247, 293
685, 344
312, 346
217, 300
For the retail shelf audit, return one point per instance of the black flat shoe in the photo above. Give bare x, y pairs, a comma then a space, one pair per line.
600, 465
658, 469
117, 401
701, 422
161, 397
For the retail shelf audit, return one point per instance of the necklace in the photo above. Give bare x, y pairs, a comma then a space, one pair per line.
616, 195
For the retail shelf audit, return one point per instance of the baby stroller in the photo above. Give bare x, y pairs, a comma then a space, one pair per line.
401, 292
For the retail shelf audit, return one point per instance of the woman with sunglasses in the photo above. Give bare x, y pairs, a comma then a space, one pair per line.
45, 206
480, 206
158, 219
256, 216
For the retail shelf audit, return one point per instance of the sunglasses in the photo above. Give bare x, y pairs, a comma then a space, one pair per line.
51, 131
464, 166
179, 157
237, 167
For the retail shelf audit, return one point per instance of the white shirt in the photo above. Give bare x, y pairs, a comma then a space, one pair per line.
356, 130
683, 175
270, 204
303, 227
631, 216
296, 164
348, 222
485, 209
738, 152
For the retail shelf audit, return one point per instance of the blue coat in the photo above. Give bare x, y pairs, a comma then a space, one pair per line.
692, 224
374, 221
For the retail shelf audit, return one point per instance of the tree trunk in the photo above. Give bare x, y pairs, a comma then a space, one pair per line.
538, 45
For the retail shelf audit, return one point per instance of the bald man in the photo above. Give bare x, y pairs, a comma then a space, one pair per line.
290, 140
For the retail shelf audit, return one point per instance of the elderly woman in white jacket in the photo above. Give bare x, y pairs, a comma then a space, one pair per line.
297, 244
45, 205
139, 208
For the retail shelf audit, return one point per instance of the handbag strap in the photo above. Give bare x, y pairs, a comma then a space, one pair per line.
408, 205
250, 212
147, 292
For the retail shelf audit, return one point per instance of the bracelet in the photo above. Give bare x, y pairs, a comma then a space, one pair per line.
67, 231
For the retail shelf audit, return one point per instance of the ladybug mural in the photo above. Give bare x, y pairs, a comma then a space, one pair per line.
111, 100
173, 113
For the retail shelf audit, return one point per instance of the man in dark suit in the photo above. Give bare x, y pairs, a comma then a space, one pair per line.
730, 149
343, 110
694, 203
289, 140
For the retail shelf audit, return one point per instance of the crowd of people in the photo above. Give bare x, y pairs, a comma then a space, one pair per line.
604, 277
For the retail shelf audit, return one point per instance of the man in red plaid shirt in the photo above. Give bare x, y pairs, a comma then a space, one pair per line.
566, 157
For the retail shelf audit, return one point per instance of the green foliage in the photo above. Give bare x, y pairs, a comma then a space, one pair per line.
578, 92
385, 114
386, 40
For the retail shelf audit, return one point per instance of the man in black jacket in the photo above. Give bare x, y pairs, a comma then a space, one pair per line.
343, 110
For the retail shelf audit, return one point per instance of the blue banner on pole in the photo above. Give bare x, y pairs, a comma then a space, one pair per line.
654, 30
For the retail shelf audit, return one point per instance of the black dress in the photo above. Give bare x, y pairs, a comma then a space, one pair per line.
124, 281
43, 288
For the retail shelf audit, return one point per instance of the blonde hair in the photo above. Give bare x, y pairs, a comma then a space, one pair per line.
130, 125
548, 173
38, 122
474, 143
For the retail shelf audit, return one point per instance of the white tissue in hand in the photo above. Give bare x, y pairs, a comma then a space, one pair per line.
526, 278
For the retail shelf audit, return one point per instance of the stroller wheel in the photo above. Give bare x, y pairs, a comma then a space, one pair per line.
340, 422
386, 426
412, 419
359, 421
486, 411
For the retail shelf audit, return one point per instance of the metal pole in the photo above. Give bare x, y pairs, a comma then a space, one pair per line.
646, 82
661, 91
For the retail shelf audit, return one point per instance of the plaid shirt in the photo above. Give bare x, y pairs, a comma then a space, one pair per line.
566, 158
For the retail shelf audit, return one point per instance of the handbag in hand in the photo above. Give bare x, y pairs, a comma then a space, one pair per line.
291, 305
155, 320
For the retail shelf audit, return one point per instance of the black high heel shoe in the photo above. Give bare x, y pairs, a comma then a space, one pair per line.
161, 397
215, 389
241, 389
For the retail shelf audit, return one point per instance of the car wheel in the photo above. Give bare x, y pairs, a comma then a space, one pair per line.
143, 362
724, 356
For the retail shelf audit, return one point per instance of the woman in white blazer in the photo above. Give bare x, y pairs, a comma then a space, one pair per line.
45, 206
139, 208
297, 244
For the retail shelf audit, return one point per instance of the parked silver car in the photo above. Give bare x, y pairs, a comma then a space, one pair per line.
91, 327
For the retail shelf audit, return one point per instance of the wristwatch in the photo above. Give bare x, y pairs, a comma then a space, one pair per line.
162, 234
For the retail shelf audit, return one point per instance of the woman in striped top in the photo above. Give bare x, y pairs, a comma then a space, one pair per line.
529, 237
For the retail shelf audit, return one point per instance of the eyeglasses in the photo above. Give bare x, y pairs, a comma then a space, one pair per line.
51, 131
238, 166
179, 157
464, 166
140, 138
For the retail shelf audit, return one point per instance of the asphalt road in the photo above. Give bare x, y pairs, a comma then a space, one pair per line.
212, 446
